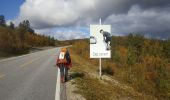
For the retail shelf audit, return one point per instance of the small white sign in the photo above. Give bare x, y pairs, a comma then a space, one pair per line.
100, 41
61, 56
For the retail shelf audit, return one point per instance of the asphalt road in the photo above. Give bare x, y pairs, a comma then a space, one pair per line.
29, 77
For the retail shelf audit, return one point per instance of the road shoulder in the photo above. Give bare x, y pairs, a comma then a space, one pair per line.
70, 91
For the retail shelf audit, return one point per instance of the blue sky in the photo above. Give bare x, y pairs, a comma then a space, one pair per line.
10, 8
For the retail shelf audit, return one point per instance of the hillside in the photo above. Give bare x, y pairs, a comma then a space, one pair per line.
18, 40
139, 67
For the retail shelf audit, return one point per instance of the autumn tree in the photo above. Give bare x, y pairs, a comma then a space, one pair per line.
135, 42
166, 49
20, 39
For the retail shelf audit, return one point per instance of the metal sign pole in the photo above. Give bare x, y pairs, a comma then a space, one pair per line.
100, 68
100, 60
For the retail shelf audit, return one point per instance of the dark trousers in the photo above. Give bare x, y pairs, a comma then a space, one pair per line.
63, 71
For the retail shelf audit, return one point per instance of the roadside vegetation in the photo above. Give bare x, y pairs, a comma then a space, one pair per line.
67, 42
139, 68
20, 39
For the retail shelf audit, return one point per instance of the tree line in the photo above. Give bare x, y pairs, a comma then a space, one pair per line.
19, 39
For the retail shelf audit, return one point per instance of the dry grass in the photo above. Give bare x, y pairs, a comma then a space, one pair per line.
92, 88
144, 70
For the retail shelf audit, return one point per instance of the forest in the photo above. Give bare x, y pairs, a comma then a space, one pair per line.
139, 62
20, 39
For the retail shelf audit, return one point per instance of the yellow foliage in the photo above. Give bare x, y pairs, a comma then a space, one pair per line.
123, 52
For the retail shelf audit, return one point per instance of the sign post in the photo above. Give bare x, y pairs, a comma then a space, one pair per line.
100, 59
100, 68
100, 39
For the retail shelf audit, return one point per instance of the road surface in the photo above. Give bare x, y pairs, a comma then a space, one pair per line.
30, 77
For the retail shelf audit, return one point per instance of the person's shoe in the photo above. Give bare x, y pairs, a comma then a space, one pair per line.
66, 79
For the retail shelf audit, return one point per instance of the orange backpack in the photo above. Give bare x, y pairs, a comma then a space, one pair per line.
62, 58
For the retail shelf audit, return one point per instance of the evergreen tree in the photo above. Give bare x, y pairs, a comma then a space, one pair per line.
12, 26
2, 20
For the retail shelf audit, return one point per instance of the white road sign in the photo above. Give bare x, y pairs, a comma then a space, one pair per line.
100, 41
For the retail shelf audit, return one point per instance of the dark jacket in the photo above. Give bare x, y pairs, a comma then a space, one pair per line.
106, 36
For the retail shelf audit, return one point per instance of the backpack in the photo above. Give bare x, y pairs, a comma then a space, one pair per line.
62, 56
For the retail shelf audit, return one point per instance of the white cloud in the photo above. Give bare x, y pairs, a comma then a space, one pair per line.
140, 21
8, 22
125, 16
69, 35
52, 13
64, 33
44, 14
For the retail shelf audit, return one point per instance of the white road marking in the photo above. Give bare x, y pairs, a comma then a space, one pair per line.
57, 93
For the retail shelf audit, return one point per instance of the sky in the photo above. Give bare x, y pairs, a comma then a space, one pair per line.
71, 19
10, 8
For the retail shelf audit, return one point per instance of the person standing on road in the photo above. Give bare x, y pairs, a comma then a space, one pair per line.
106, 38
64, 63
